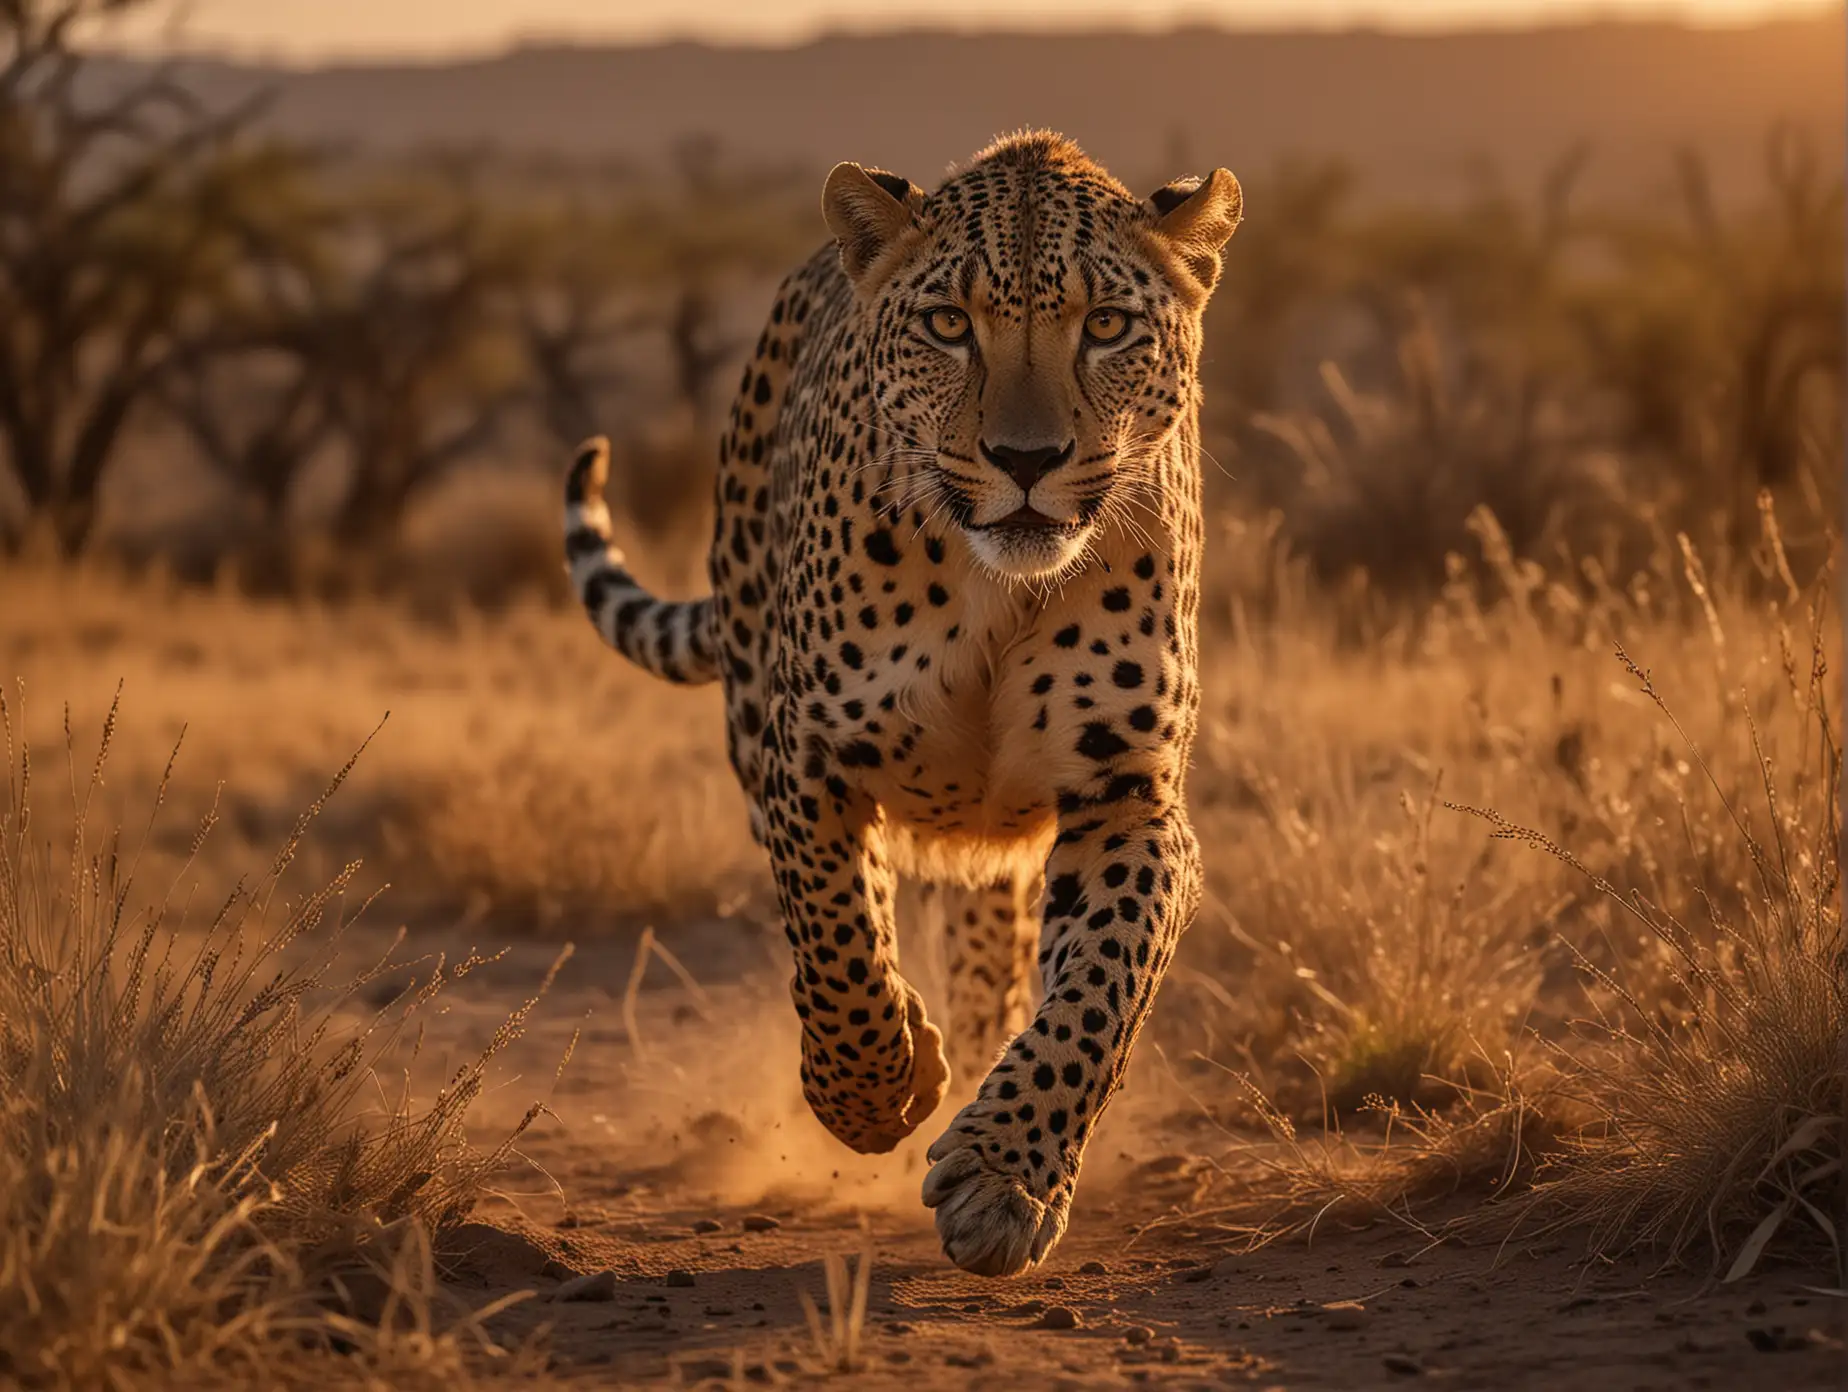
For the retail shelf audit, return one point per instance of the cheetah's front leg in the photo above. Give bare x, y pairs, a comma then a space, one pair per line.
1122, 884
872, 1064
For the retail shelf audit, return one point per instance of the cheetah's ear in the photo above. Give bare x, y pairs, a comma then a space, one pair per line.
866, 210
1198, 217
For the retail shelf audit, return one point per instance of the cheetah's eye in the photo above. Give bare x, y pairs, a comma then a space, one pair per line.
947, 325
1105, 325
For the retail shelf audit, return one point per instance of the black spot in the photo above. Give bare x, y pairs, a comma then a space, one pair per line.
1127, 675
880, 549
1100, 742
1117, 600
1067, 637
1142, 718
861, 754
1062, 896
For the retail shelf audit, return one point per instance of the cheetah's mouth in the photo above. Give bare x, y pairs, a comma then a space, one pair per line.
1027, 519
1027, 544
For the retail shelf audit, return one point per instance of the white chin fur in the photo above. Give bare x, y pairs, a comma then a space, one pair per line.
1027, 555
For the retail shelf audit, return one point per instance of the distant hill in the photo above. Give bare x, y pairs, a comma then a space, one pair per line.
1413, 113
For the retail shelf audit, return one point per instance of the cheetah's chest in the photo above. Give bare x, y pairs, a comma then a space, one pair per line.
943, 744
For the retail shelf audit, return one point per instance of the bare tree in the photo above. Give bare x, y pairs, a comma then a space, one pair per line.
425, 362
576, 304
111, 211
252, 386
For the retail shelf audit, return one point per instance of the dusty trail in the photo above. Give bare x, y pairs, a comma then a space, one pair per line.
682, 1160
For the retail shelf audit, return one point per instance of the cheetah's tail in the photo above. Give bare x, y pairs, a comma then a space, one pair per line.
671, 640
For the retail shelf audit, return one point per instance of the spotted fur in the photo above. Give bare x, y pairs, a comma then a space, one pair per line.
955, 590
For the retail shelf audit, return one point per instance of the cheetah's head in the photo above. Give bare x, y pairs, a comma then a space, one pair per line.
1034, 337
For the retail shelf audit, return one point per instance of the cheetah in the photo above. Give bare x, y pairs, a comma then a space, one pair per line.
955, 590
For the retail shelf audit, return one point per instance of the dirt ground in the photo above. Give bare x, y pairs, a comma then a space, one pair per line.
680, 1159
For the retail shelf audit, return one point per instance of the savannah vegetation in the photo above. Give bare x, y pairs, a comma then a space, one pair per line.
1518, 777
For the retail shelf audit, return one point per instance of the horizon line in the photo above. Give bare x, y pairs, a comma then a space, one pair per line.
1590, 16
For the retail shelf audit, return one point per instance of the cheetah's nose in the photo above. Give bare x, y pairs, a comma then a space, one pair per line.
1027, 466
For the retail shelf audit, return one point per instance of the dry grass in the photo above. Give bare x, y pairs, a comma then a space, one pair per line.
1715, 1073
1409, 1022
202, 1179
504, 786
837, 1339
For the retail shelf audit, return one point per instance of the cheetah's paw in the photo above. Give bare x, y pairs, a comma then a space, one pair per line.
988, 1221
908, 1110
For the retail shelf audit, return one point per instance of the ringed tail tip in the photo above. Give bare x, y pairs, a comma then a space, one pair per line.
590, 470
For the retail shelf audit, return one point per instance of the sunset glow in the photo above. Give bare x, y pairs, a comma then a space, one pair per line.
310, 29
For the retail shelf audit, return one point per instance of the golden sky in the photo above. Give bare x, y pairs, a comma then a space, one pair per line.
308, 29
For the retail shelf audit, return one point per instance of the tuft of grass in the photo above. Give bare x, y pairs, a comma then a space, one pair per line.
1715, 1082
1392, 1006
837, 1342
1485, 1143
196, 1183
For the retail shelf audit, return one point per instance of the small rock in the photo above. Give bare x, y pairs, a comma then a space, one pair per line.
760, 1222
1776, 1339
981, 1358
570, 1220
1054, 1283
1395, 1259
1028, 1307
718, 1311
1402, 1364
1060, 1317
1346, 1314
897, 1327
598, 1285
708, 1225
700, 1369
679, 1278
1137, 1334
1094, 1268
1757, 1307
1197, 1274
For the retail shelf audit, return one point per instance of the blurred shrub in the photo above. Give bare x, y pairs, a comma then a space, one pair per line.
1597, 381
